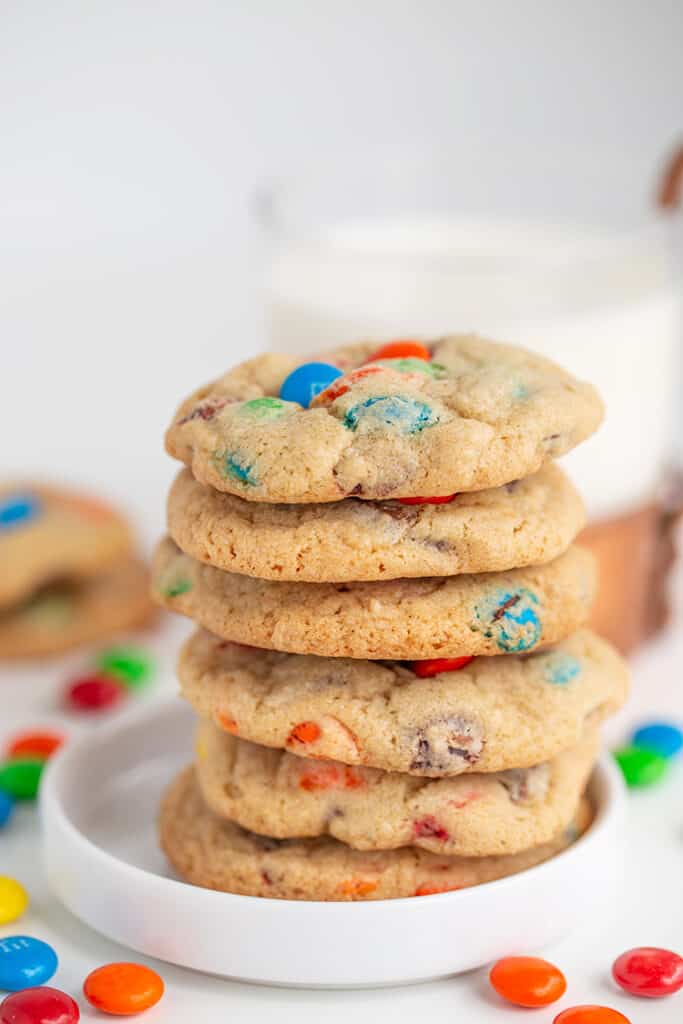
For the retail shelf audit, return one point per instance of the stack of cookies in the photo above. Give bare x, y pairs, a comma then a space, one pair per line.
395, 691
69, 571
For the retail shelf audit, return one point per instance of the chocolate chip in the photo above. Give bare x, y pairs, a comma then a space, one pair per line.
449, 745
402, 513
206, 410
266, 843
510, 603
526, 783
439, 545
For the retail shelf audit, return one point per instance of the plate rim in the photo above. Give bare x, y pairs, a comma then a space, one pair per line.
606, 774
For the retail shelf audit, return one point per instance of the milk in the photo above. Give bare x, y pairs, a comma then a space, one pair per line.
602, 305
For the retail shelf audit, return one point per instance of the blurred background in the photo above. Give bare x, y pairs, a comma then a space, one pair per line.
185, 183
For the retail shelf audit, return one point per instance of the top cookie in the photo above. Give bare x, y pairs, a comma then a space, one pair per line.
477, 415
48, 533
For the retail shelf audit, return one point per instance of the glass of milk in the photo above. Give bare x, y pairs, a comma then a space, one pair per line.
561, 252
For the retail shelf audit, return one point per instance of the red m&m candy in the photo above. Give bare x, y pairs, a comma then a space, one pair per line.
527, 980
42, 1005
649, 971
401, 350
590, 1015
445, 500
434, 666
94, 693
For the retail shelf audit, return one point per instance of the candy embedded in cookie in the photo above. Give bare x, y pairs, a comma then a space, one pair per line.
491, 715
472, 415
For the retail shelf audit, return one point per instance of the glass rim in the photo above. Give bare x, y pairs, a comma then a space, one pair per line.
280, 206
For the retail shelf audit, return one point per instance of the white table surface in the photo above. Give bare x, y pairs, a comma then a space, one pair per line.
649, 912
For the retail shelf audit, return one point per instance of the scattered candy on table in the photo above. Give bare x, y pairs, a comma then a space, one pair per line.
25, 962
41, 1005
640, 767
123, 988
527, 981
35, 745
94, 693
434, 666
307, 381
659, 737
649, 971
13, 899
590, 1015
401, 350
20, 777
6, 807
128, 665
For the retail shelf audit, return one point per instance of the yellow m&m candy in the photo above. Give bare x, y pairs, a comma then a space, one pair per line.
13, 899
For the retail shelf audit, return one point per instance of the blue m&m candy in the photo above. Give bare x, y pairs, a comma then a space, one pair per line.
25, 962
659, 737
307, 381
17, 509
6, 807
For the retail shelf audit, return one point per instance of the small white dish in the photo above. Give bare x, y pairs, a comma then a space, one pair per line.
99, 801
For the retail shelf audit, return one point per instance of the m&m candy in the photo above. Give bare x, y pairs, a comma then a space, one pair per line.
25, 962
35, 745
649, 971
527, 980
660, 738
20, 777
18, 509
435, 666
6, 807
640, 767
123, 988
401, 350
41, 1005
94, 693
307, 381
13, 899
445, 500
129, 665
590, 1015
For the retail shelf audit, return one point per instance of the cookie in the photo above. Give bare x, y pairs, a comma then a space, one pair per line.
277, 794
65, 615
47, 533
477, 415
525, 522
454, 616
215, 853
492, 714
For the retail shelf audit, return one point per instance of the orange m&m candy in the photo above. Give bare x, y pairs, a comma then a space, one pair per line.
40, 745
401, 350
305, 732
590, 1015
123, 989
527, 980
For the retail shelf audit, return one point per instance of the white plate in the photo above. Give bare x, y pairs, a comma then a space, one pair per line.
99, 802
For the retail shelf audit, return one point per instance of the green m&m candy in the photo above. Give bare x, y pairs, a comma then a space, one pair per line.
129, 665
640, 767
20, 777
